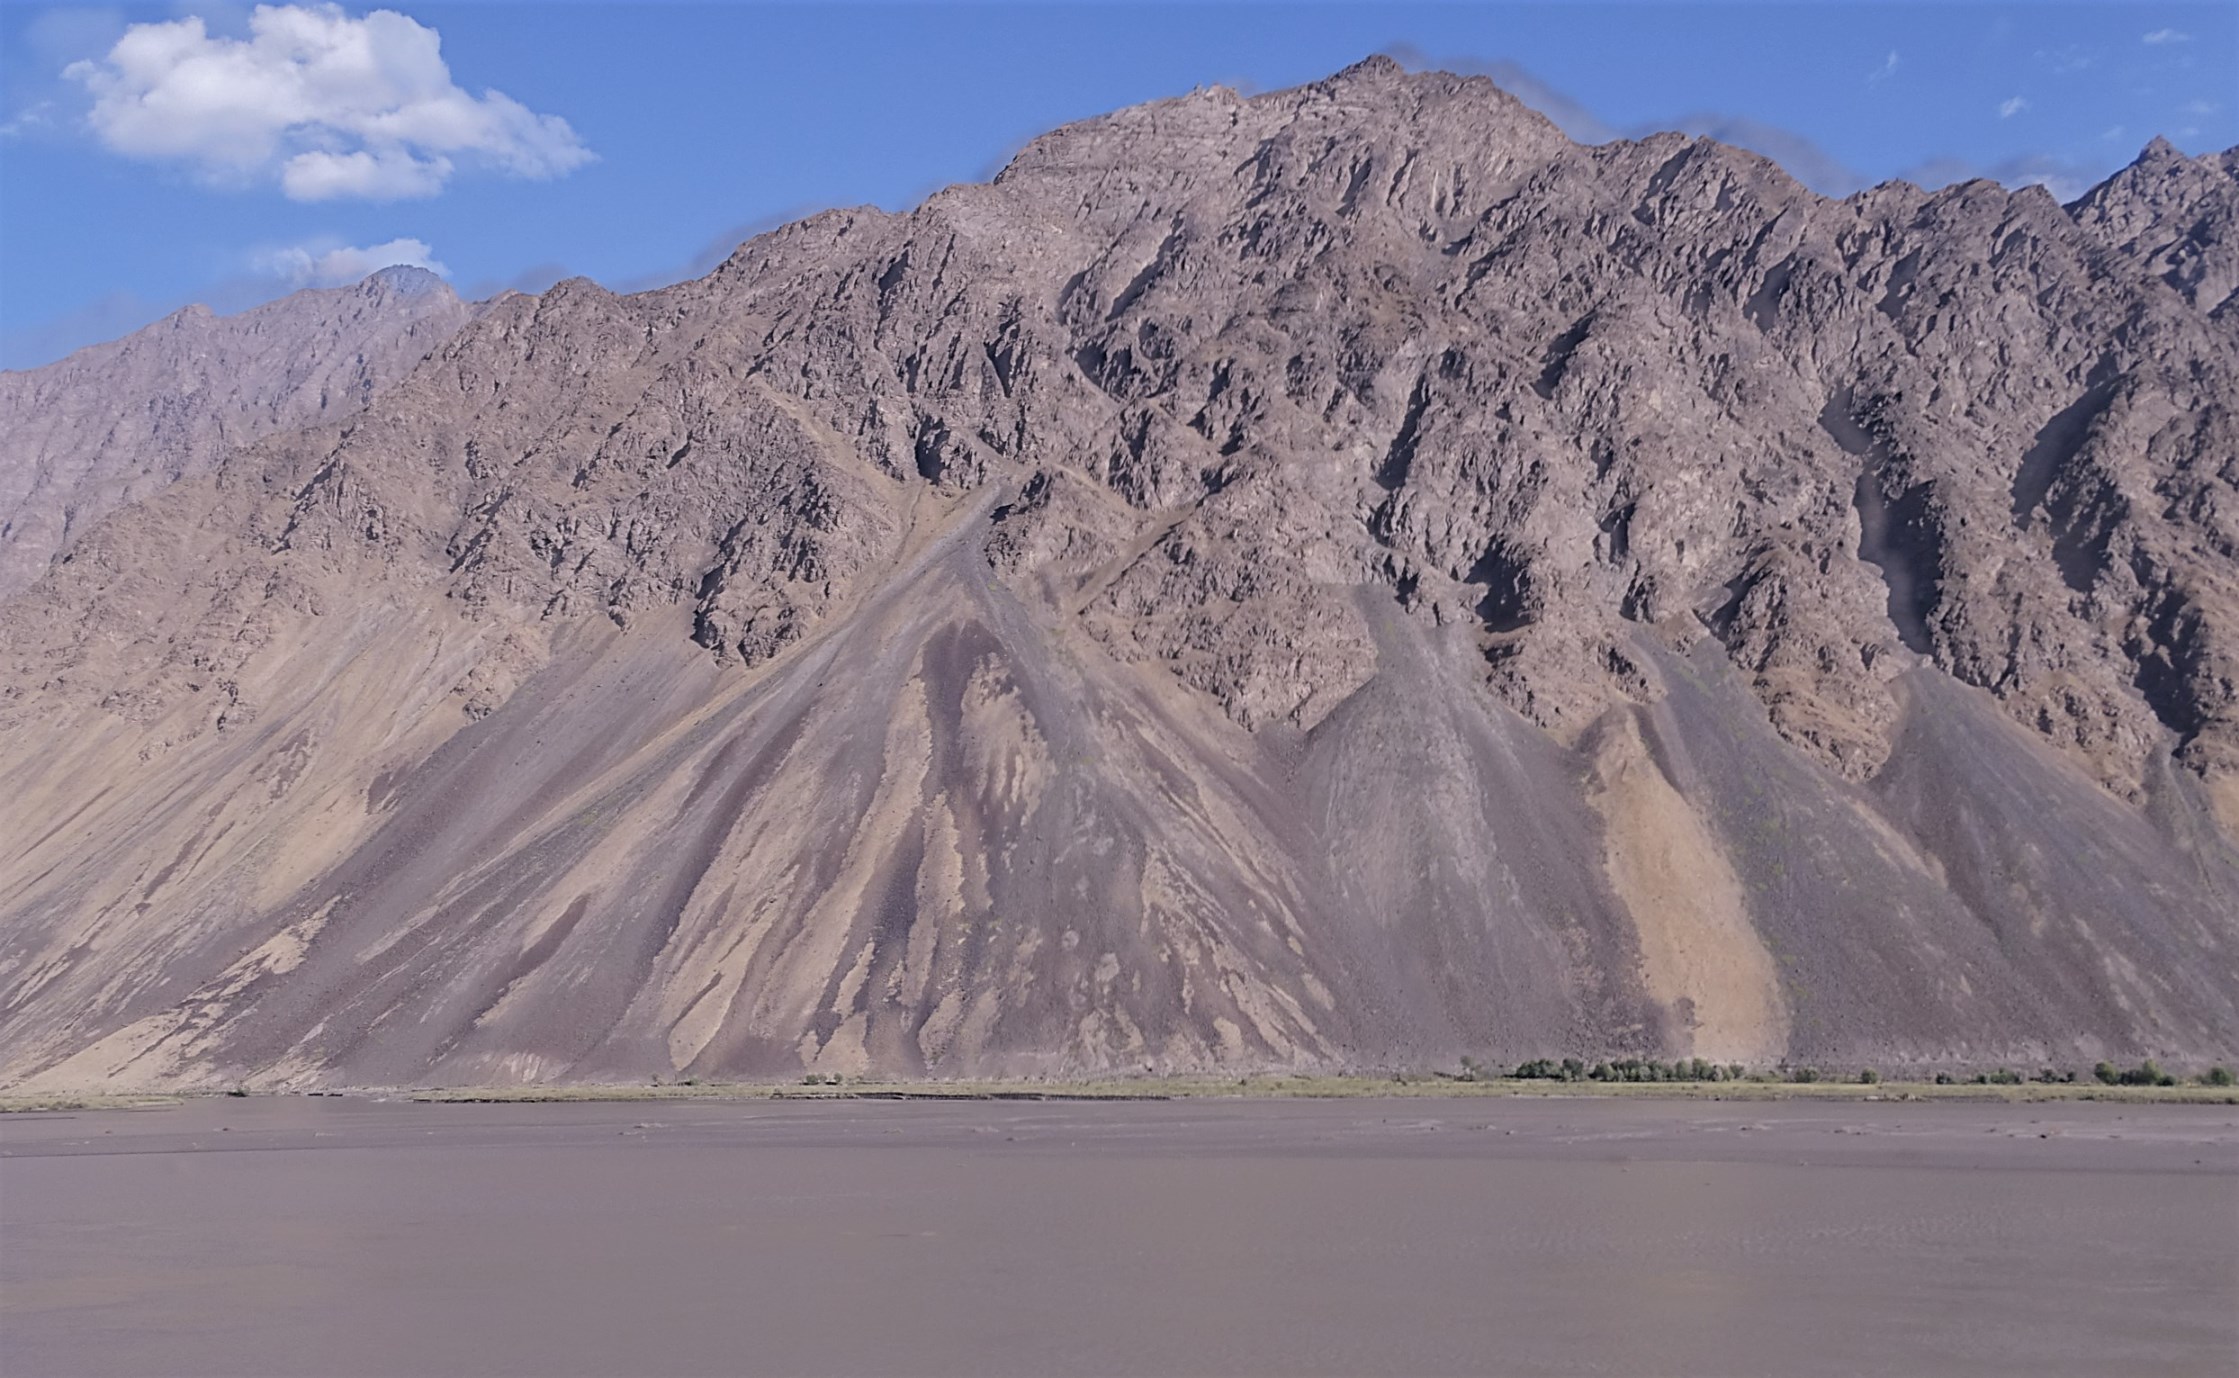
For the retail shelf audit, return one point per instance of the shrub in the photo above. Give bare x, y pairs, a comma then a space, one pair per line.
1547, 1069
1804, 1075
1869, 1077
2146, 1073
1621, 1069
2216, 1076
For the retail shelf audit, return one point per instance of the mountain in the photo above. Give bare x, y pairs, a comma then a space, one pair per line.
1341, 578
114, 423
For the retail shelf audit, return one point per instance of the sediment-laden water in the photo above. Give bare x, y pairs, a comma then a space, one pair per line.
318, 1237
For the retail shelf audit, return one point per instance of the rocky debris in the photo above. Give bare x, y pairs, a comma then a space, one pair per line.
1270, 581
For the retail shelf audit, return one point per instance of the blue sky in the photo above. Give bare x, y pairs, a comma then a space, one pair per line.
155, 155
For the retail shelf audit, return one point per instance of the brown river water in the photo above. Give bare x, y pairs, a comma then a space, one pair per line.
304, 1236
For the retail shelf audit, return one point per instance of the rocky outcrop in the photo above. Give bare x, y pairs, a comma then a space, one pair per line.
115, 423
2174, 217
1340, 578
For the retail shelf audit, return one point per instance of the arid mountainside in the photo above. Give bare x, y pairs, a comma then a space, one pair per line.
114, 423
1341, 578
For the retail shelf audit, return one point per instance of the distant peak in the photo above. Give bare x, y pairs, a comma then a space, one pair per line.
1378, 67
2159, 151
404, 280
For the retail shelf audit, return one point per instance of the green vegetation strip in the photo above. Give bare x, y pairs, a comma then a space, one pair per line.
1345, 1087
1689, 1080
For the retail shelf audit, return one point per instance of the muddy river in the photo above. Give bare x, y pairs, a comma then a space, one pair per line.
306, 1236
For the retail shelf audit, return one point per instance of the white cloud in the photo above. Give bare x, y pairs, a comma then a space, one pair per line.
35, 116
317, 175
2011, 106
2159, 36
328, 105
2201, 107
1886, 70
325, 264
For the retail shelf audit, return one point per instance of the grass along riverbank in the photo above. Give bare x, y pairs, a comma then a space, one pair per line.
1413, 1086
1348, 1087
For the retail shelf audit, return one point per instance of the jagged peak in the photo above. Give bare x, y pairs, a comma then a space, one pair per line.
2159, 159
1375, 69
2158, 150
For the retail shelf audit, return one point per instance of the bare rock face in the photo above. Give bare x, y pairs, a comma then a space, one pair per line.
115, 423
1341, 578
2174, 217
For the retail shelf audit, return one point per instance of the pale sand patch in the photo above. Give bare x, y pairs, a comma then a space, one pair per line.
123, 1061
940, 903
1701, 956
2223, 796
160, 1049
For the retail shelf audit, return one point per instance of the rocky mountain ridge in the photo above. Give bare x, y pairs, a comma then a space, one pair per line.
114, 423
1345, 577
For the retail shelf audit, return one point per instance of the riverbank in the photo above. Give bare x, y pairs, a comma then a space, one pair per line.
1195, 1088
